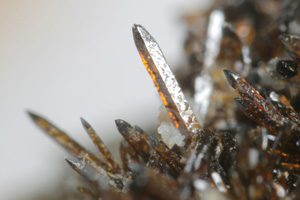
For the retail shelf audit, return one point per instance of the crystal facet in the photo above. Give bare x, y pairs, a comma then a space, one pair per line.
246, 148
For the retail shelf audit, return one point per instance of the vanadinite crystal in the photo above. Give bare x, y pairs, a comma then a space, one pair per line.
217, 146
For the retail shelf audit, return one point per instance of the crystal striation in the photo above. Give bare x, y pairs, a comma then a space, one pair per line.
247, 147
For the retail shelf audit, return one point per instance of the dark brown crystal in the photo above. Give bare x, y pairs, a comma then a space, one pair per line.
287, 68
292, 44
247, 147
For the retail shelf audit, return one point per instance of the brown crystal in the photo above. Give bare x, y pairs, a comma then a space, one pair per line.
252, 157
292, 44
113, 163
135, 139
173, 99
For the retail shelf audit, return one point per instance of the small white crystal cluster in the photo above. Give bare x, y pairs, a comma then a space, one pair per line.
169, 134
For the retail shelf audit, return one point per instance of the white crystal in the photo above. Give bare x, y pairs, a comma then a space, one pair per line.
170, 135
203, 90
214, 35
253, 158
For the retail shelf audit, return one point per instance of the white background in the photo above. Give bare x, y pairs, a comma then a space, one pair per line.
66, 59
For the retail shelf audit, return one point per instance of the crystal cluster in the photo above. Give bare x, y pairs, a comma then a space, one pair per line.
245, 147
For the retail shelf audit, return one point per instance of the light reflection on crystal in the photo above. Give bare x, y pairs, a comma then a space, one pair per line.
203, 89
170, 135
248, 150
214, 35
165, 82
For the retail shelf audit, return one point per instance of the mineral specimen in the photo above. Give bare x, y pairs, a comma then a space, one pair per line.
246, 147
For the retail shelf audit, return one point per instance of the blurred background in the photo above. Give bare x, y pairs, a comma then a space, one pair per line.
70, 59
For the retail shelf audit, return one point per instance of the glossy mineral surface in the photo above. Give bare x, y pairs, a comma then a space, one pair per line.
233, 130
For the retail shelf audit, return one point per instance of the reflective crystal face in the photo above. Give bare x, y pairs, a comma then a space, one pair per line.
233, 127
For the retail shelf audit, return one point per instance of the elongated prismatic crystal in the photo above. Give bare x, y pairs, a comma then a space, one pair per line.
108, 171
169, 90
236, 156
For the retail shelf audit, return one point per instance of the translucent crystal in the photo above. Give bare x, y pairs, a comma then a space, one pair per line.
246, 148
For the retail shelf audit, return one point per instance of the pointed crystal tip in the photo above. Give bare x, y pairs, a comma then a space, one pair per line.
291, 43
84, 123
138, 31
135, 26
72, 163
231, 77
32, 115
122, 125
285, 38
135, 30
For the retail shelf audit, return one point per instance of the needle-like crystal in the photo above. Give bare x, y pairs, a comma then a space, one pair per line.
101, 146
134, 138
76, 149
291, 43
66, 141
169, 90
167, 155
